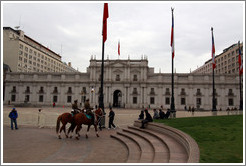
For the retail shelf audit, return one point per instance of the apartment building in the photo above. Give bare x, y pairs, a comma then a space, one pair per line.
23, 54
226, 62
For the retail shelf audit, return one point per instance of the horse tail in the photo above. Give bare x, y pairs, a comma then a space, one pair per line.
58, 123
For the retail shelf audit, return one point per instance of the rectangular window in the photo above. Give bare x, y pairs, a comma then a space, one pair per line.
69, 99
135, 100
167, 100
198, 101
152, 100
230, 102
55, 99
41, 98
12, 97
27, 98
182, 101
117, 78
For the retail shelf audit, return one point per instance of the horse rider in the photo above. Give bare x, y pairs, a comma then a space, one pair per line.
89, 109
75, 107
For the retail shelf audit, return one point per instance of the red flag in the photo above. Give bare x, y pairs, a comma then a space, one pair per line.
172, 35
240, 60
105, 16
213, 50
118, 47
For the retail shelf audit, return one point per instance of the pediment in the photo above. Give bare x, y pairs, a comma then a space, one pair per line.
118, 64
135, 71
117, 71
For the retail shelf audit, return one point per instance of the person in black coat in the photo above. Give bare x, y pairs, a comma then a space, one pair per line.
161, 114
111, 118
141, 115
147, 119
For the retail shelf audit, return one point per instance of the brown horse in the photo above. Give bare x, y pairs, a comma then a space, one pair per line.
81, 118
64, 119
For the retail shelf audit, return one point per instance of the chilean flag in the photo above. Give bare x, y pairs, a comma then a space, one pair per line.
172, 35
213, 50
119, 48
240, 60
105, 16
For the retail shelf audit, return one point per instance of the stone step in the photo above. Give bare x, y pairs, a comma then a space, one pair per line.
134, 151
146, 149
177, 153
161, 151
189, 145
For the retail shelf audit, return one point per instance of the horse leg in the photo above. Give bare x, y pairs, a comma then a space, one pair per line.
95, 126
59, 134
88, 128
77, 130
64, 129
70, 129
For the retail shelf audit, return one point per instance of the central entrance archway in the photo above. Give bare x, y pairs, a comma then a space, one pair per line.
117, 98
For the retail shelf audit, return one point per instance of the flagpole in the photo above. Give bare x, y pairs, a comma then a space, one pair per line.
172, 98
104, 38
240, 81
213, 58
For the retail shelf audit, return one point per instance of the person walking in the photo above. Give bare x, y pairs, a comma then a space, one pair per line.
147, 119
13, 115
111, 118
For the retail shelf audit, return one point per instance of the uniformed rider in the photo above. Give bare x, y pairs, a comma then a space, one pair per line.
75, 108
89, 109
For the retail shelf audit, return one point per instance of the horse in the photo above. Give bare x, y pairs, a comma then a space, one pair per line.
64, 119
81, 118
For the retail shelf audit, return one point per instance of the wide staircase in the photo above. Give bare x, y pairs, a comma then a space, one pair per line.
157, 143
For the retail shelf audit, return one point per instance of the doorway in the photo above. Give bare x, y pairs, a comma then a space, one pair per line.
117, 98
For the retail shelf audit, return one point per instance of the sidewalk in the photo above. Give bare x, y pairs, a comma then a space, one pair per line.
123, 117
31, 144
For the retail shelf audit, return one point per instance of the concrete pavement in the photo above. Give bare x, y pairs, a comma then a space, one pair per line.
36, 140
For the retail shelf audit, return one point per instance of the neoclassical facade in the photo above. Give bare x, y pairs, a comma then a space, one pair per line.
127, 83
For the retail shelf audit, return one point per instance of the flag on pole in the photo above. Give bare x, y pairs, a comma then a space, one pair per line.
119, 48
172, 35
240, 59
105, 16
213, 50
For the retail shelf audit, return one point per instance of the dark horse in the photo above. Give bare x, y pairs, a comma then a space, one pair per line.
64, 119
81, 118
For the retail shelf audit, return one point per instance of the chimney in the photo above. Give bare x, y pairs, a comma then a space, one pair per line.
69, 64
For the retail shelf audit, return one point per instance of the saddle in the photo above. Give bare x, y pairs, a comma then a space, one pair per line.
88, 116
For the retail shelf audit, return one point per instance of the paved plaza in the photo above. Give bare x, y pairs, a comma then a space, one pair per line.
36, 140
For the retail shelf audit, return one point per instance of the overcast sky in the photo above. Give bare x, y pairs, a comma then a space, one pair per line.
74, 30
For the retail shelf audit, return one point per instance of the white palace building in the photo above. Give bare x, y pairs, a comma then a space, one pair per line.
127, 83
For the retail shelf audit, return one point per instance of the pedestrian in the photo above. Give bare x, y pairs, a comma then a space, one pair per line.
167, 114
147, 119
193, 110
100, 117
156, 114
161, 114
54, 104
41, 119
141, 115
13, 115
111, 118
